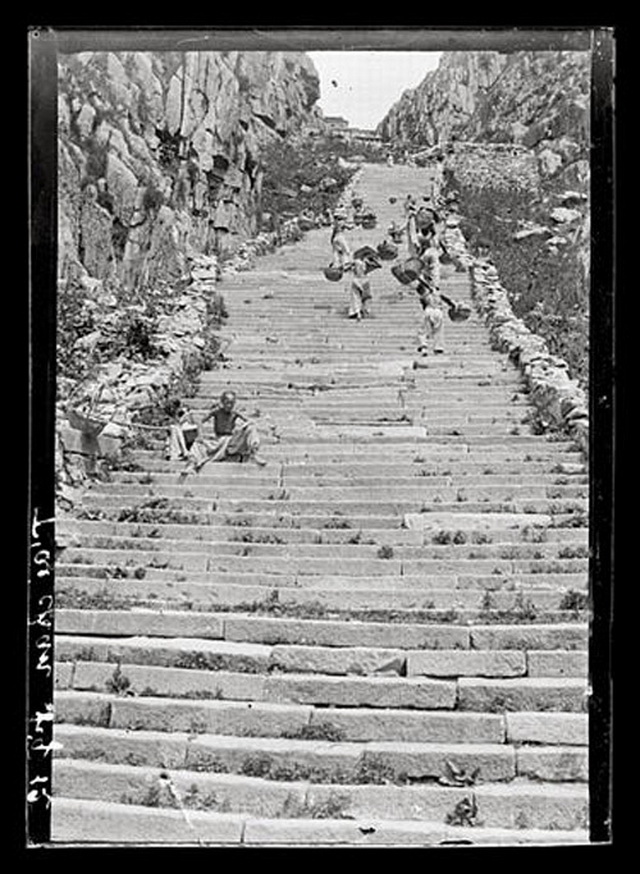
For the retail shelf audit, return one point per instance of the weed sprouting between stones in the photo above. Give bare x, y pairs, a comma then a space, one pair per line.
385, 552
333, 807
534, 534
194, 800
574, 552
464, 813
237, 521
317, 731
488, 602
455, 776
159, 510
337, 522
155, 795
210, 765
103, 599
118, 683
198, 694
575, 601
575, 520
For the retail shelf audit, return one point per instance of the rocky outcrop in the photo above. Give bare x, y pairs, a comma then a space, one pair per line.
159, 154
537, 99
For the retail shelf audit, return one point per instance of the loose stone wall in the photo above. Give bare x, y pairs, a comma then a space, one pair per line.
561, 403
121, 387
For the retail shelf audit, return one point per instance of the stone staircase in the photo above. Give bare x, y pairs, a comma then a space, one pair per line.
378, 638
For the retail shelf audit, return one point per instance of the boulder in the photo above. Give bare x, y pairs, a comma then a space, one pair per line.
549, 162
562, 215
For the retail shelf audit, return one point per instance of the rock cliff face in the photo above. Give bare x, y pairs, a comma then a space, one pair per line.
159, 154
537, 99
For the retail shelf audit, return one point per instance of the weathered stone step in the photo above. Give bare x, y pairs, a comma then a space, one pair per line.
88, 820
281, 372
338, 582
311, 489
497, 695
554, 453
256, 558
258, 719
359, 514
534, 538
286, 759
186, 595
378, 692
287, 395
497, 663
574, 473
202, 654
407, 545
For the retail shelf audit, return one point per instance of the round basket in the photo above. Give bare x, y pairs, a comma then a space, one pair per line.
460, 312
333, 274
81, 422
412, 267
387, 250
400, 275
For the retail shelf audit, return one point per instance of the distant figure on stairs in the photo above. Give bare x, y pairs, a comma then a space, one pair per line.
342, 255
428, 289
235, 437
364, 261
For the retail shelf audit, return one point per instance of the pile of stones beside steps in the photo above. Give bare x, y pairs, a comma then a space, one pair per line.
123, 386
560, 401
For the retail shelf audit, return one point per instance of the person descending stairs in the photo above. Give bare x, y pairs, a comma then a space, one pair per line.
377, 638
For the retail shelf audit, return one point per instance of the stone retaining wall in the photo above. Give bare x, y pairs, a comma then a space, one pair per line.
123, 386
562, 404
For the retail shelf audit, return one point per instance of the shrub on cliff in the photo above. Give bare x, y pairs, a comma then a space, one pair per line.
75, 320
293, 173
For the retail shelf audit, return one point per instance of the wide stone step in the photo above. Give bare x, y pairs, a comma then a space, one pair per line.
358, 514
164, 573
392, 600
450, 492
249, 628
201, 654
515, 806
411, 453
331, 633
258, 719
547, 540
257, 560
194, 682
288, 759
406, 544
497, 695
158, 467
86, 821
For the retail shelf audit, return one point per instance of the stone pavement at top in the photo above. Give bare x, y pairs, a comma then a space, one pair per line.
373, 639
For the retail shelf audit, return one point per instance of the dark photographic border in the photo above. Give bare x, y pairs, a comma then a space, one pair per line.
44, 46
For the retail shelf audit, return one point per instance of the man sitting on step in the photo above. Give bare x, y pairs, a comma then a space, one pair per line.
236, 438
